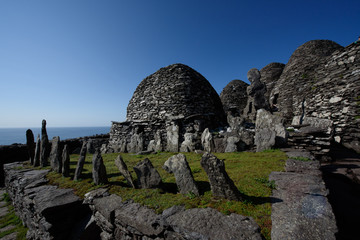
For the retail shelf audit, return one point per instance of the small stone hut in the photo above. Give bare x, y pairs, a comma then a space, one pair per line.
167, 104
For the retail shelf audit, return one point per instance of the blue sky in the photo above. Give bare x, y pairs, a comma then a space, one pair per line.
78, 62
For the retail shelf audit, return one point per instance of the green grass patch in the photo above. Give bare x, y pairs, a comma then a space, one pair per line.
245, 169
12, 219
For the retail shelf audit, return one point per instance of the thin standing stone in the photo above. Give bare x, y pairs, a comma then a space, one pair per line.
81, 162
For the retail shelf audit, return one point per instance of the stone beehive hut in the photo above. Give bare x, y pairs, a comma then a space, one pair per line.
174, 92
167, 104
234, 97
270, 74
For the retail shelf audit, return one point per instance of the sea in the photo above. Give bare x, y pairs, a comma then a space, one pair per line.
9, 136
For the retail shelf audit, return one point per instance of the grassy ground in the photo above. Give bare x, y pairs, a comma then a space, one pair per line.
248, 170
11, 219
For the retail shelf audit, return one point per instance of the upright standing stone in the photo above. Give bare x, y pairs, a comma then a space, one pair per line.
30, 145
81, 161
184, 179
220, 182
207, 140
119, 162
98, 171
148, 176
37, 151
172, 133
55, 155
65, 162
44, 149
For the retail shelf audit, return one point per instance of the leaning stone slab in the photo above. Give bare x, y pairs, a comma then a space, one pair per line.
148, 176
120, 164
99, 170
220, 182
300, 209
81, 161
178, 165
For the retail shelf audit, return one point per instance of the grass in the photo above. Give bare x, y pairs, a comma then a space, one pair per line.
245, 169
12, 219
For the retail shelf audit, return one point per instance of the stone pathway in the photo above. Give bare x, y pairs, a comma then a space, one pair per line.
3, 211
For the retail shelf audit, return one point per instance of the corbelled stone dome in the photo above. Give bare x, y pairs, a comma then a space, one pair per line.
174, 92
234, 97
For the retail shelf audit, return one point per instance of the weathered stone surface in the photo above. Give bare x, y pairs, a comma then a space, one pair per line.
44, 147
307, 167
207, 140
264, 139
257, 90
47, 211
136, 143
120, 164
220, 182
172, 133
267, 120
301, 209
65, 162
37, 152
55, 155
231, 144
208, 223
148, 176
178, 165
189, 143
80, 163
98, 171
270, 74
234, 97
30, 145
90, 148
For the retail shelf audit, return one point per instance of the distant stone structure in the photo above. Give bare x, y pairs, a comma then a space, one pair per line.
167, 104
234, 97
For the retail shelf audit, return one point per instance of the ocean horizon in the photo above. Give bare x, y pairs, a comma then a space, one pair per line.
10, 136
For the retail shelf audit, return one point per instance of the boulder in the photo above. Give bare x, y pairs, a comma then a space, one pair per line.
148, 176
99, 170
55, 155
178, 165
264, 139
65, 162
37, 152
231, 144
188, 145
80, 163
120, 164
207, 141
220, 182
30, 145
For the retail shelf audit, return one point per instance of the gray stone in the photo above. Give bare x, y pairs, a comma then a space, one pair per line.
234, 98
80, 163
37, 152
301, 209
231, 144
55, 155
207, 223
220, 182
207, 141
30, 145
178, 165
257, 90
99, 170
44, 147
172, 133
136, 143
65, 162
120, 164
188, 145
148, 176
264, 139
307, 167
90, 146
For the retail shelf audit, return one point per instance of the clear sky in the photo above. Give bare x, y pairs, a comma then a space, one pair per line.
78, 62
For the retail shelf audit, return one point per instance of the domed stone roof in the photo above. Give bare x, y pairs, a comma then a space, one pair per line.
234, 97
174, 92
270, 74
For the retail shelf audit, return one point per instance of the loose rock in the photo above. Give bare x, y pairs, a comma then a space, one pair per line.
148, 176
